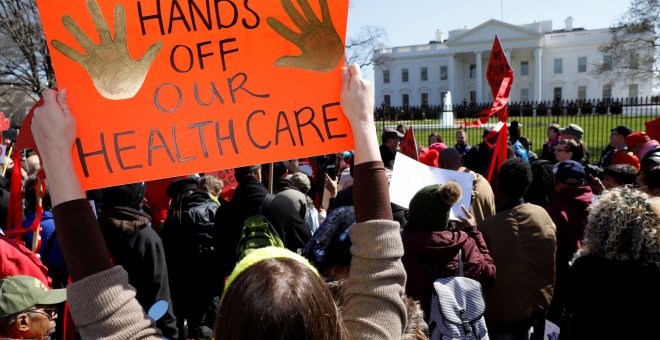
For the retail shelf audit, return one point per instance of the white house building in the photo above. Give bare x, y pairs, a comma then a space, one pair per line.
547, 64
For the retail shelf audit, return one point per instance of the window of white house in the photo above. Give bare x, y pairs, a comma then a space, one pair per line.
386, 76
443, 95
387, 100
607, 62
524, 94
634, 60
582, 64
473, 96
633, 90
556, 93
582, 92
607, 91
405, 99
443, 72
425, 99
473, 71
404, 75
524, 68
424, 74
559, 65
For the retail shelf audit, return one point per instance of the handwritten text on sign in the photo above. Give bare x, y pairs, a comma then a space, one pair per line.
167, 88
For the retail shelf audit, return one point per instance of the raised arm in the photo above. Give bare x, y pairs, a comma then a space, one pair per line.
373, 305
102, 302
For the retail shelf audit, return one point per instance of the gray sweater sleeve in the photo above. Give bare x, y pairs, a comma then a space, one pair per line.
373, 301
103, 305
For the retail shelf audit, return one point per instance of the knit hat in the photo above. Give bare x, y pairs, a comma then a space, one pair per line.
429, 158
19, 293
429, 208
636, 138
439, 147
127, 195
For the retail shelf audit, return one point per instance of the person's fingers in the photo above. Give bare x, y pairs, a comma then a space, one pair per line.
465, 211
49, 97
345, 77
354, 70
63, 102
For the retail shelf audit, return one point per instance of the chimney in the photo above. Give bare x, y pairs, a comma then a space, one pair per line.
568, 24
439, 36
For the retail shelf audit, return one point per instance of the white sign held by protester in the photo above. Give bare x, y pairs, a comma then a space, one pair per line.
409, 176
3, 152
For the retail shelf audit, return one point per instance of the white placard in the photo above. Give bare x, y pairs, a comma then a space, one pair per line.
3, 156
551, 331
409, 176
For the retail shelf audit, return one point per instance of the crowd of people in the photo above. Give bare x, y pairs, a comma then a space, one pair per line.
550, 237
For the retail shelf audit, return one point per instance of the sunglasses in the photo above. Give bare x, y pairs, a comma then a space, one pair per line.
558, 149
49, 312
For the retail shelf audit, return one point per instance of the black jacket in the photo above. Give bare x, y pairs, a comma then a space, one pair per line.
189, 237
611, 299
136, 247
246, 202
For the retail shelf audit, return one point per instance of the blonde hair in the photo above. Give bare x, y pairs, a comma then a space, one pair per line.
624, 226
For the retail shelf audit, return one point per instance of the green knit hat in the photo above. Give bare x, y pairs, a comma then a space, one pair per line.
429, 208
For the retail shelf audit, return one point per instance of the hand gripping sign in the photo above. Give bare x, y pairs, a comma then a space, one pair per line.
172, 87
500, 79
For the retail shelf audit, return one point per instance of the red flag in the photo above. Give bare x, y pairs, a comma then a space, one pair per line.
409, 145
653, 129
500, 79
4, 122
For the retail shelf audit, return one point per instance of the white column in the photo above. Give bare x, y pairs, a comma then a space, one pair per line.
538, 55
480, 79
451, 74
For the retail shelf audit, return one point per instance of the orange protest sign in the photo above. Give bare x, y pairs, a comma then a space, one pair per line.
172, 87
409, 145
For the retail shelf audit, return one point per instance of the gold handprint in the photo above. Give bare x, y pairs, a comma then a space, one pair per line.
114, 73
321, 46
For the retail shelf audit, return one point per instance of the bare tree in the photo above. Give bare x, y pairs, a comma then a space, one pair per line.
25, 63
360, 49
634, 49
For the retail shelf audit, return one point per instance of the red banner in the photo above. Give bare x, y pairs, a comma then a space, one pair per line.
409, 145
500, 79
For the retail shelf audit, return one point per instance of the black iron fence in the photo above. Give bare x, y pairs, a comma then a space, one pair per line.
595, 116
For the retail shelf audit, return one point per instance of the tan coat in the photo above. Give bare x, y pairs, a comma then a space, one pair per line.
482, 202
522, 242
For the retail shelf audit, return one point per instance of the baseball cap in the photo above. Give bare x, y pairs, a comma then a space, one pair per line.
570, 172
301, 182
19, 293
622, 130
392, 133
245, 169
573, 129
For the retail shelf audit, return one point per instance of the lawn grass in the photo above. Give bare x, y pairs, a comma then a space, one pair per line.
596, 127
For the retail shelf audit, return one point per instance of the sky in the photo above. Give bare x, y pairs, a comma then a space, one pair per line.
412, 22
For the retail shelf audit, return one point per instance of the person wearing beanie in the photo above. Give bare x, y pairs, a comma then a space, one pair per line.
646, 149
134, 245
431, 242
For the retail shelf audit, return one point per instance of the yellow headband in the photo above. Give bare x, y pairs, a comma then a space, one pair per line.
261, 254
